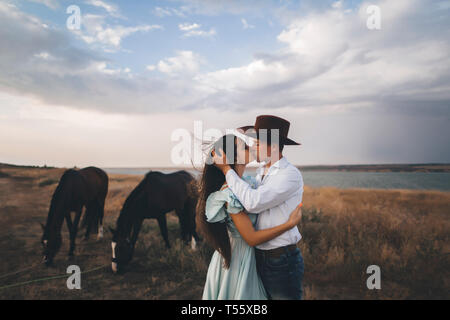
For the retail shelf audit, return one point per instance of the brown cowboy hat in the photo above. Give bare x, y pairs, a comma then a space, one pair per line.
270, 123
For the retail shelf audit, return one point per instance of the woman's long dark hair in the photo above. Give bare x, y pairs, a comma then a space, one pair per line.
215, 234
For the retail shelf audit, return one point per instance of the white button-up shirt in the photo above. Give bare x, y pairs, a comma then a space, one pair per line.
274, 199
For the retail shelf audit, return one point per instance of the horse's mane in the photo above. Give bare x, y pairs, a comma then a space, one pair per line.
135, 193
61, 194
123, 222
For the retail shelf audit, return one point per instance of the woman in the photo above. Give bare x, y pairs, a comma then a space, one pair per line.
224, 224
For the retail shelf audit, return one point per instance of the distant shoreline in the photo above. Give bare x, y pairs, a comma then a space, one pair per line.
416, 167
419, 177
420, 167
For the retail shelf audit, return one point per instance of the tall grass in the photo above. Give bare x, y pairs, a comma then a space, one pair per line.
345, 231
406, 233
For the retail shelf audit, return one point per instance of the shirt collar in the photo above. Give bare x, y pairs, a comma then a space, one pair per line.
282, 163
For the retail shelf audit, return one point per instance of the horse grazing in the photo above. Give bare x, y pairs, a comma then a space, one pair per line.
156, 194
76, 189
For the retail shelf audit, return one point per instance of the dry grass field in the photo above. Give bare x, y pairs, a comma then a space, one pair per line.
404, 232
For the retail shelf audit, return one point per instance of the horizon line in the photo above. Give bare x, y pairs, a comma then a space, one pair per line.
187, 167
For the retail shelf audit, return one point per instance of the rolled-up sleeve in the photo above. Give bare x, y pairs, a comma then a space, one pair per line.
280, 187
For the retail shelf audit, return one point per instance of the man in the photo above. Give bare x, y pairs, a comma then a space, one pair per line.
279, 191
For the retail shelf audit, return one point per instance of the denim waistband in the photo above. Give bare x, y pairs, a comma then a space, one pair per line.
278, 252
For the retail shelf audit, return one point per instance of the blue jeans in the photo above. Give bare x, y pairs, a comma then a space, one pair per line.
282, 277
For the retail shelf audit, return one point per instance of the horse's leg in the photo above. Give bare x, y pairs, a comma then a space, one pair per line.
73, 235
70, 227
190, 217
190, 233
192, 205
136, 229
101, 213
90, 216
163, 227
181, 213
69, 222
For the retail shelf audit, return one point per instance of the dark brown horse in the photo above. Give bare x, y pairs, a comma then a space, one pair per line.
76, 189
156, 195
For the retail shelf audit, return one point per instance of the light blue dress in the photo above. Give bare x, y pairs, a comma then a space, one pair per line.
241, 280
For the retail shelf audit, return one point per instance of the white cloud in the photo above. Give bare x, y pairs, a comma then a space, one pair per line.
51, 69
246, 25
253, 76
169, 12
337, 5
215, 7
188, 26
330, 58
52, 4
111, 9
193, 30
184, 63
161, 12
351, 94
44, 55
95, 30
103, 67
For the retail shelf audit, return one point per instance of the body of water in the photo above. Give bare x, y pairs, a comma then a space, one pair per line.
344, 180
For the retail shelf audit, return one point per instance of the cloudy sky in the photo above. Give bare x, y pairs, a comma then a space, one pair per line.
113, 92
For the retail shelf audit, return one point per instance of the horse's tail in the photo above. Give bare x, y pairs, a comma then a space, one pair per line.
103, 191
192, 189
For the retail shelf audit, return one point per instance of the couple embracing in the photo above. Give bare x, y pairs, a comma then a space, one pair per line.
252, 222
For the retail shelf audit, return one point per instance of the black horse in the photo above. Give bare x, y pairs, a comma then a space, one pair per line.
76, 189
156, 194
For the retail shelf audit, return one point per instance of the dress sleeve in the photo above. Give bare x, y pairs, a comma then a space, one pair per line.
215, 207
234, 206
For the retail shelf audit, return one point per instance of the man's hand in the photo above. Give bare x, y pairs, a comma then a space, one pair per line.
220, 161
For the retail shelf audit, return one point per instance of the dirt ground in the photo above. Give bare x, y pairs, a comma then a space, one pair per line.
405, 232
